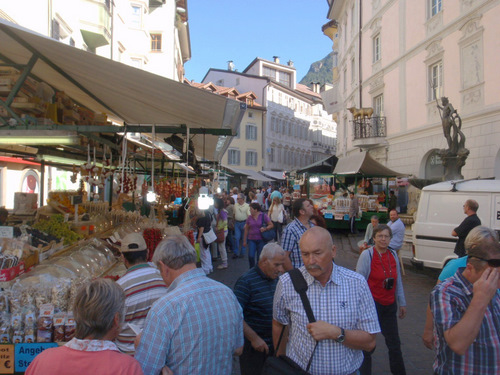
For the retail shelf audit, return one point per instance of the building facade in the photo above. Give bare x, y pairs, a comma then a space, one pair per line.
296, 130
152, 35
245, 149
400, 57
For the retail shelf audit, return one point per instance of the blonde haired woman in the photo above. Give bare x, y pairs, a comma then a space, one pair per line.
277, 216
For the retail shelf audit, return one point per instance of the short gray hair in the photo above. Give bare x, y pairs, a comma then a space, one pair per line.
96, 304
271, 250
241, 196
175, 252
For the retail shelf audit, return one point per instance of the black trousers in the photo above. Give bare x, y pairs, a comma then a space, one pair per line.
388, 320
252, 361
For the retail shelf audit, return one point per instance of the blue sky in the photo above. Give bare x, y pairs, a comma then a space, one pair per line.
240, 30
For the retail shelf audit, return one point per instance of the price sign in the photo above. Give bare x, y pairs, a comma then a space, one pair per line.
6, 232
76, 199
6, 359
328, 216
25, 353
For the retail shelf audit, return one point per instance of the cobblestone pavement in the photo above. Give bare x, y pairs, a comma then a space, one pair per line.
417, 285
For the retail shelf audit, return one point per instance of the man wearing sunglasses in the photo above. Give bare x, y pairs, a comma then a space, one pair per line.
466, 309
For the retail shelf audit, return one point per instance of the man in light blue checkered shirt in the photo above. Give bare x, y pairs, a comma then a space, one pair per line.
346, 319
197, 326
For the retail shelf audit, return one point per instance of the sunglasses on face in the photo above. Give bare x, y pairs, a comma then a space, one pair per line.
495, 263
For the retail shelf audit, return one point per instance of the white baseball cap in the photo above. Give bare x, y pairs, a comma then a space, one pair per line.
133, 242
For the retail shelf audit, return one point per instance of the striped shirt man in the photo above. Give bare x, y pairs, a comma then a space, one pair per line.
255, 293
344, 301
194, 329
142, 285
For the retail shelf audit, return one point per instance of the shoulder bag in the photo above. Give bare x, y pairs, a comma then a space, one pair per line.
210, 236
267, 235
283, 365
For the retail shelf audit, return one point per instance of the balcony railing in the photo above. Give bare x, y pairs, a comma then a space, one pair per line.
371, 127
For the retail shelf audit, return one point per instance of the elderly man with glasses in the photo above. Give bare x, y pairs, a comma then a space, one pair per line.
466, 310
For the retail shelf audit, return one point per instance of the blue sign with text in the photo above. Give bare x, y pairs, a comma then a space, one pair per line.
25, 353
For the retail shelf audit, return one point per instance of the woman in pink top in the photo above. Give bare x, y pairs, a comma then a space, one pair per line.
257, 223
98, 311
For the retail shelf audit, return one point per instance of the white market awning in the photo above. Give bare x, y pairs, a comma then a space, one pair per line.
126, 94
250, 174
273, 174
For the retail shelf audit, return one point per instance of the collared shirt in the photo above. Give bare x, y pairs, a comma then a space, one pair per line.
255, 293
142, 285
290, 241
241, 211
194, 329
96, 357
449, 302
345, 301
398, 234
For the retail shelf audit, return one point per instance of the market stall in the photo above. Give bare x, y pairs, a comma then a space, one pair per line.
356, 173
126, 138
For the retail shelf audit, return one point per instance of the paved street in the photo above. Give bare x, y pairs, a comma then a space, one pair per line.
417, 284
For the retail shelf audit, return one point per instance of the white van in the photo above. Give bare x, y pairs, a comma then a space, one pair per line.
440, 210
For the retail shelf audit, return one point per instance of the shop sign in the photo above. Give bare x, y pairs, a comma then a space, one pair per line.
7, 359
6, 232
25, 353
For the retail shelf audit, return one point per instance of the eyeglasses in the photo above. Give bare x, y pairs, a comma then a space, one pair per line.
495, 263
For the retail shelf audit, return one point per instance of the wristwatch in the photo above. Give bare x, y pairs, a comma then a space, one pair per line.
341, 337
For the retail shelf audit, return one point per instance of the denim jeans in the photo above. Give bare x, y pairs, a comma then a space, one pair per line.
239, 230
254, 250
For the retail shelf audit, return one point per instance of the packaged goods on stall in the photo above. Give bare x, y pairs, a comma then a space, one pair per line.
35, 307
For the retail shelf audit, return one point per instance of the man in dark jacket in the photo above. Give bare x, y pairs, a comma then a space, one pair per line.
469, 223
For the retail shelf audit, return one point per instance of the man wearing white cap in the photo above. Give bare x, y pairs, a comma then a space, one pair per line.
142, 284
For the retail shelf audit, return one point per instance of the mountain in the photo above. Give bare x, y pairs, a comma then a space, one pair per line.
321, 71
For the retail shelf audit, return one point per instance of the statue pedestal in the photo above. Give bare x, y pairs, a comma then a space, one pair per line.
453, 163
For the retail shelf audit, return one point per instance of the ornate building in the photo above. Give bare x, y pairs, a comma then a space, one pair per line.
152, 35
399, 57
297, 130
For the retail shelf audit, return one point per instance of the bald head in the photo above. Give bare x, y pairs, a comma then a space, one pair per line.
317, 234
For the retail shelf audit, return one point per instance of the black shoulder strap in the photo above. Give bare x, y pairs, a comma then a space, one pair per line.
300, 286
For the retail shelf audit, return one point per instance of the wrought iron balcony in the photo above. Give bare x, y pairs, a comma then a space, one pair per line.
369, 132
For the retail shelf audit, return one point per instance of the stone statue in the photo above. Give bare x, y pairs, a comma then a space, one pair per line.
452, 126
454, 157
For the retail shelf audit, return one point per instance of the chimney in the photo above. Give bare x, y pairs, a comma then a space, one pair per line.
276, 59
315, 87
230, 65
290, 63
